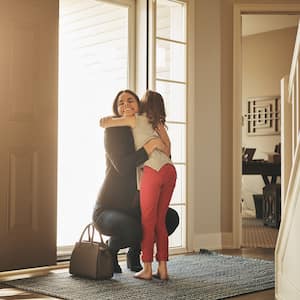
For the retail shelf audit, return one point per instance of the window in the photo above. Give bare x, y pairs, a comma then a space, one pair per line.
169, 79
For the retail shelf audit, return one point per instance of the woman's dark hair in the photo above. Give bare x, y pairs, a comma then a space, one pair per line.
153, 105
115, 103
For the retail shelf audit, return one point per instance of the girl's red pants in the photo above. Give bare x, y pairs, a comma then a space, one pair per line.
156, 190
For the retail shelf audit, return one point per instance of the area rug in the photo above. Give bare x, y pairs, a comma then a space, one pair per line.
207, 276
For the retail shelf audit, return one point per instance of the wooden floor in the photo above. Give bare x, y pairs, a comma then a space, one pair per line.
256, 235
263, 253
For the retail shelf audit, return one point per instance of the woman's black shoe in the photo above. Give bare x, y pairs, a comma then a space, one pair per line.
133, 261
116, 266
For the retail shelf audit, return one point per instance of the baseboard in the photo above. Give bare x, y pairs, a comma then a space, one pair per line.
212, 241
227, 240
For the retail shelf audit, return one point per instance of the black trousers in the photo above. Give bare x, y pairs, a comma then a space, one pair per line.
125, 230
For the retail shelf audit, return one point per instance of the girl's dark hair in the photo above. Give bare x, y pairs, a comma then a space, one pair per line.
115, 103
153, 105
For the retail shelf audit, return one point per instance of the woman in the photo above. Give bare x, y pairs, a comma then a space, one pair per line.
117, 213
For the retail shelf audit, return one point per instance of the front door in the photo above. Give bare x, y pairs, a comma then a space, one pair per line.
28, 132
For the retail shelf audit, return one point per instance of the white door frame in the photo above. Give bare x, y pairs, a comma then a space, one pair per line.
238, 10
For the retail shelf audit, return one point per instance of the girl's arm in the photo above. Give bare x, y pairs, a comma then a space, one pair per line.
107, 122
155, 143
162, 132
120, 150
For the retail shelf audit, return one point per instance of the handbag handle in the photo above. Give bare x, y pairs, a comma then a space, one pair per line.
90, 228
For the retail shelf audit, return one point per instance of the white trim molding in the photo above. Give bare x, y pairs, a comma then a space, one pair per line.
210, 241
190, 128
227, 240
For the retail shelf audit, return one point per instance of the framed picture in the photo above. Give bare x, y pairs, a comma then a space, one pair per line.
263, 115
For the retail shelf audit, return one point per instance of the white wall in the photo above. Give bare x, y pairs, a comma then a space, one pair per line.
207, 207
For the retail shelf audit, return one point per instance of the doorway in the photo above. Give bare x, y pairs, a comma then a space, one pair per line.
239, 11
267, 49
94, 45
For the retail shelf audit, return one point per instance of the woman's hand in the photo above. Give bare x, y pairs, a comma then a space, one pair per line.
155, 143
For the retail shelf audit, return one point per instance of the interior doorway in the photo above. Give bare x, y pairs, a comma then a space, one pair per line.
267, 49
239, 11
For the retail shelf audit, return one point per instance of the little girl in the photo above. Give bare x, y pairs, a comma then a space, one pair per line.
156, 182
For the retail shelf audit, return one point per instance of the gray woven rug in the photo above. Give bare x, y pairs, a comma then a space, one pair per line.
199, 276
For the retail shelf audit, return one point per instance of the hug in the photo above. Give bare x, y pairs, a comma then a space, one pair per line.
117, 212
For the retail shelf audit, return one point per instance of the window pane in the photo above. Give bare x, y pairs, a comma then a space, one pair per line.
170, 81
170, 62
171, 20
177, 239
179, 193
177, 136
175, 100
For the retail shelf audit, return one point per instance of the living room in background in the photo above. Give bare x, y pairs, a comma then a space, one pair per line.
95, 61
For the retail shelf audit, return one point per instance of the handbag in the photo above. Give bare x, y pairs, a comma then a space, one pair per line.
91, 259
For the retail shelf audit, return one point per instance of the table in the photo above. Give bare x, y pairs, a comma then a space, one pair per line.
264, 168
271, 192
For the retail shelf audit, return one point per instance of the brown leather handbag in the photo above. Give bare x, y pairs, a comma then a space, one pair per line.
91, 259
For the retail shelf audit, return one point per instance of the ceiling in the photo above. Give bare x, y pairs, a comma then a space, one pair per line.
253, 24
